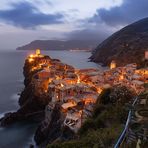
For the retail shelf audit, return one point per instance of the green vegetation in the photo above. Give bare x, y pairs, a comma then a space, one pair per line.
100, 138
146, 86
103, 128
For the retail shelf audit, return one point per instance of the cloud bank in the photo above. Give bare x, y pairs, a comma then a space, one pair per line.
128, 12
105, 22
26, 15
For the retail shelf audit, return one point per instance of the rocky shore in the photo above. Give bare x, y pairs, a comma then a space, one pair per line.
32, 107
33, 104
61, 98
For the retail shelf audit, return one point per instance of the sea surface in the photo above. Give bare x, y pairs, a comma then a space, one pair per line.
20, 135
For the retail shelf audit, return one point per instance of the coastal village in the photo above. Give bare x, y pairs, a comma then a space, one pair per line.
77, 90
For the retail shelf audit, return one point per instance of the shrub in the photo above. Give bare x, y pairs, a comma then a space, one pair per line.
101, 138
104, 97
88, 124
99, 108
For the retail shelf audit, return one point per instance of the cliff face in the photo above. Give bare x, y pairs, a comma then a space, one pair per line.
125, 46
52, 130
32, 106
49, 130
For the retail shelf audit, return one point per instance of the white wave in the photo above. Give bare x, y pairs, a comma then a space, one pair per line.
9, 111
15, 97
1, 115
20, 80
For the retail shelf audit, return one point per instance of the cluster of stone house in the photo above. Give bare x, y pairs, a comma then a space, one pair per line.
78, 89
128, 76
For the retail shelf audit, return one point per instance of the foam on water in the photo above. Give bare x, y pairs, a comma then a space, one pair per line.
9, 111
15, 97
1, 115
20, 80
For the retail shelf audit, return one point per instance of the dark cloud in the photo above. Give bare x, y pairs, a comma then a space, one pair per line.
26, 15
128, 12
107, 22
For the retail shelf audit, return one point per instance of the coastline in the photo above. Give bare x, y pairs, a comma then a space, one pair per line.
39, 67
16, 116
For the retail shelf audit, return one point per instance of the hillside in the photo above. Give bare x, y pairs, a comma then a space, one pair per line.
102, 129
59, 45
125, 46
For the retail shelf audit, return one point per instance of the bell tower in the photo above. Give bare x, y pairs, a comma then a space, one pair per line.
112, 65
37, 52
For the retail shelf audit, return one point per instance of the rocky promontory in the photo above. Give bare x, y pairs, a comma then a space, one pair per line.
128, 45
66, 101
39, 71
32, 105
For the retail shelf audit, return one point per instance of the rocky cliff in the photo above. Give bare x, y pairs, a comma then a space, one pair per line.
52, 131
32, 106
128, 45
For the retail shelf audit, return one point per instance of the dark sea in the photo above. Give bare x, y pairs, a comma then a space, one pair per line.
20, 135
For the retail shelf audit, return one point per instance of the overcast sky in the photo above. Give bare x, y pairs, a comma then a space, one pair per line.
22, 21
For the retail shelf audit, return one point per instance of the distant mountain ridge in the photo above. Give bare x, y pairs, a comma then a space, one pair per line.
60, 45
128, 45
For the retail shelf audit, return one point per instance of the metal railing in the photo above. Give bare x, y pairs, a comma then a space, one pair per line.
123, 134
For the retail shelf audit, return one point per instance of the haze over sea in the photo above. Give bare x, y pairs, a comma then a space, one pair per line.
11, 83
